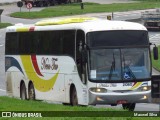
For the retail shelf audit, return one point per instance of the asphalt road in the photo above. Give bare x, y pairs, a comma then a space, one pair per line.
139, 107
154, 37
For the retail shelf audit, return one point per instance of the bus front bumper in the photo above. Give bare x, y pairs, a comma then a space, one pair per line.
119, 98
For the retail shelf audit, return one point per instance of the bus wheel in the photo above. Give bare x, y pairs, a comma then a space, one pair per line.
129, 106
74, 99
23, 94
67, 2
66, 104
31, 92
40, 4
47, 4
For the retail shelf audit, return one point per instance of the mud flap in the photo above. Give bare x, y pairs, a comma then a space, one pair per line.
9, 86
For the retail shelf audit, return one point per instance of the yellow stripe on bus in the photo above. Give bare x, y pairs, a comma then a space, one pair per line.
39, 83
136, 85
23, 29
63, 21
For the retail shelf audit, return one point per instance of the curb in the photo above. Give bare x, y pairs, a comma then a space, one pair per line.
7, 3
133, 20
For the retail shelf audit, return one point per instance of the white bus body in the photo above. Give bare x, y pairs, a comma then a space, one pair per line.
54, 74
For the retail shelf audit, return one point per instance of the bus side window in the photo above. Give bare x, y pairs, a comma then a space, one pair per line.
56, 42
34, 43
27, 43
12, 43
43, 43
80, 40
68, 42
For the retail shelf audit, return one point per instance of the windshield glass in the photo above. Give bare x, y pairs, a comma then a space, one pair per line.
119, 64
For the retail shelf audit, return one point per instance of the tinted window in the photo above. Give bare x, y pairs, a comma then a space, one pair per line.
118, 38
11, 43
41, 43
28, 42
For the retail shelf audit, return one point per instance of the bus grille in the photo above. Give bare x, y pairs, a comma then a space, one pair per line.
122, 91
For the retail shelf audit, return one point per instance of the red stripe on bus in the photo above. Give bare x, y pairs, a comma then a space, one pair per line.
34, 62
31, 28
134, 83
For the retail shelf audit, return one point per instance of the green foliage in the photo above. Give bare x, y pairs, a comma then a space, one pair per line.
156, 63
148, 0
13, 104
75, 9
71, 118
3, 25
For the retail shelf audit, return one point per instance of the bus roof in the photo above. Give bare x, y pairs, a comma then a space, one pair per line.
86, 24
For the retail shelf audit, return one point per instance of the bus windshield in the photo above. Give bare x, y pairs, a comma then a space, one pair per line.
120, 62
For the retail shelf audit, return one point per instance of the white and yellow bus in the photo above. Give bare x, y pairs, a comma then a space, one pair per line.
79, 61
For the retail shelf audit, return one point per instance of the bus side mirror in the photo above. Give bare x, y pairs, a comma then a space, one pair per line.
80, 46
84, 56
83, 51
155, 53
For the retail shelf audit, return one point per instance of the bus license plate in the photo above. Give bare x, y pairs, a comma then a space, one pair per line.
122, 102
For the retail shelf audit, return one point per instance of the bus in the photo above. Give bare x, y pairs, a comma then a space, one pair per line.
79, 61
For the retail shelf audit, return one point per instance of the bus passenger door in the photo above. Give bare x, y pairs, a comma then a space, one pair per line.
80, 55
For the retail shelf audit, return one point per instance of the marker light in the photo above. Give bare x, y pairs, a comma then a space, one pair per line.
98, 90
99, 99
144, 97
144, 88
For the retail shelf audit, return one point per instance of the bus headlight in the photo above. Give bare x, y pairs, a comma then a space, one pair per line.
144, 88
98, 90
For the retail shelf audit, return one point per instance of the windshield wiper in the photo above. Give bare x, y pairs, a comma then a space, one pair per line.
128, 68
112, 67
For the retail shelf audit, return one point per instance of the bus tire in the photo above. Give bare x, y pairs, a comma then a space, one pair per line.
79, 1
31, 92
41, 4
74, 99
47, 4
67, 104
67, 2
23, 94
129, 106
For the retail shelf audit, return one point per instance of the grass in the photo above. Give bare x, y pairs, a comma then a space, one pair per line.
84, 118
25, 105
3, 25
148, 0
74, 9
12, 104
156, 63
15, 105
